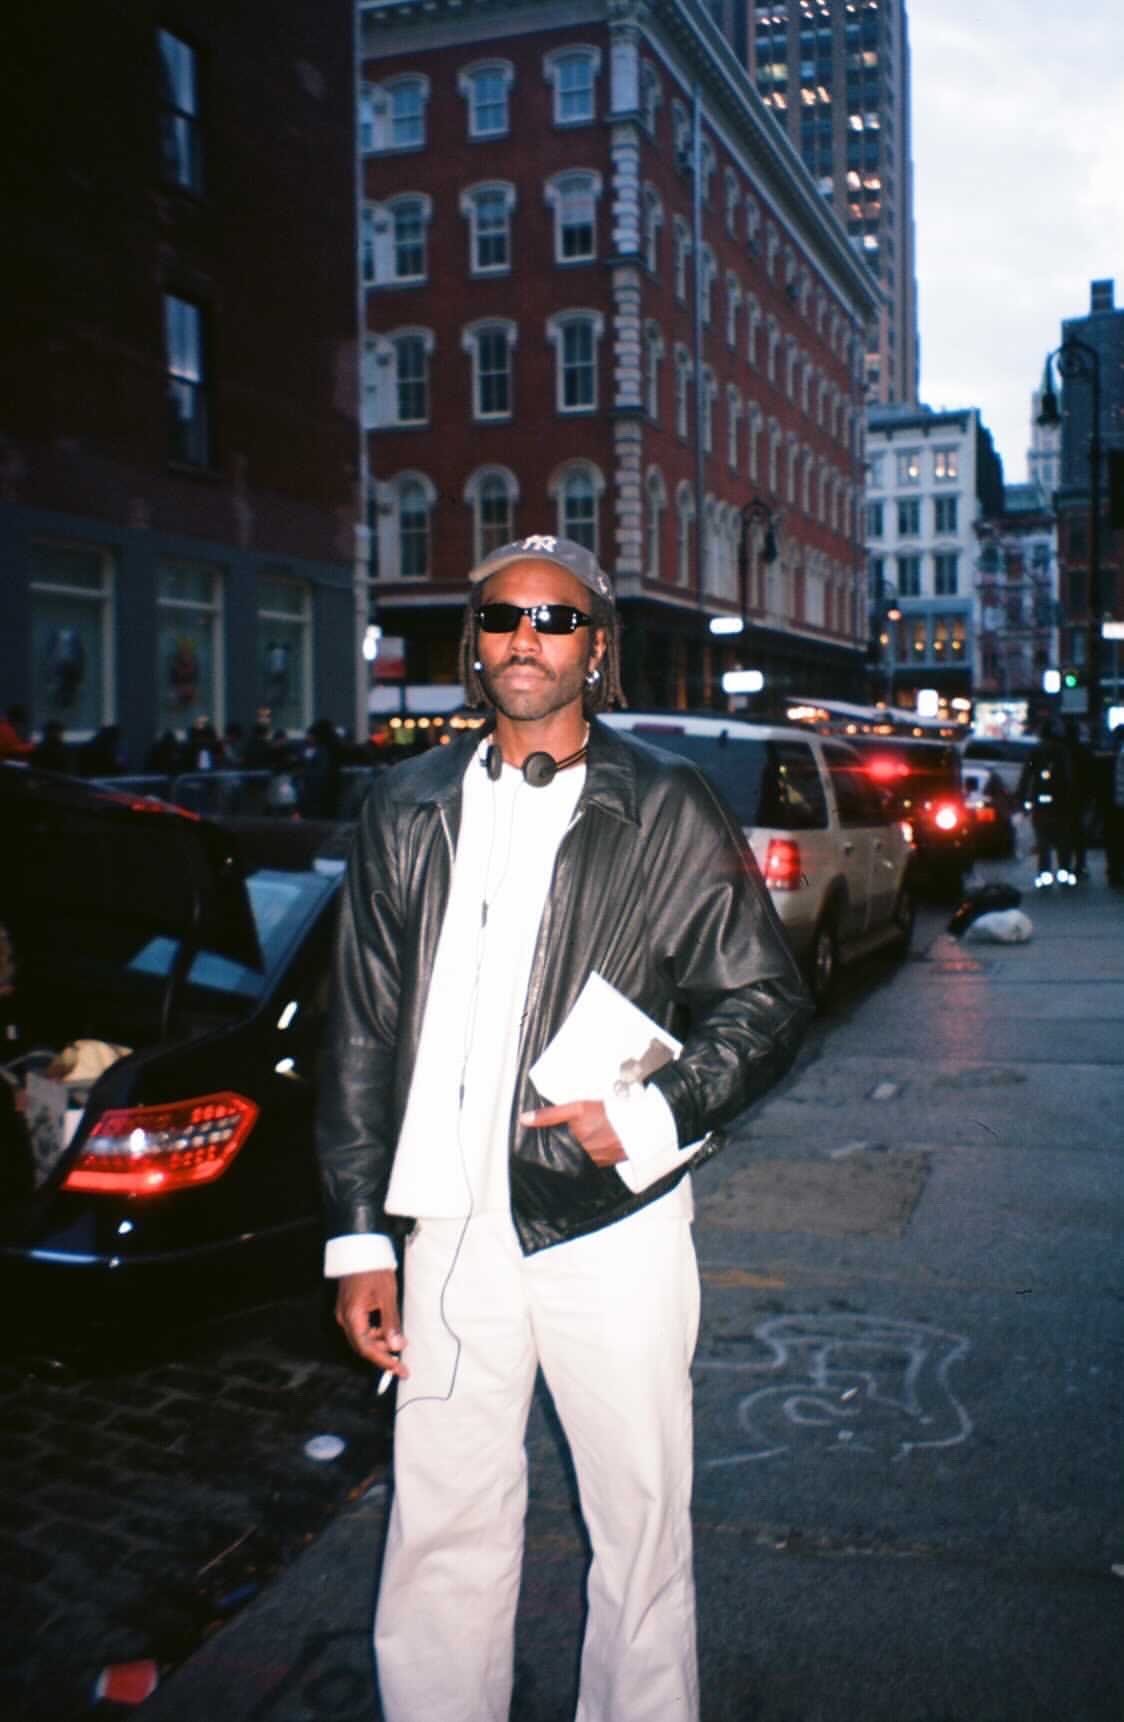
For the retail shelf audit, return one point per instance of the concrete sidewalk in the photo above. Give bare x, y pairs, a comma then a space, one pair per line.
909, 1385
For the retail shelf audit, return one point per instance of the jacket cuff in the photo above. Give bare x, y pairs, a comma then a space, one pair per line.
358, 1253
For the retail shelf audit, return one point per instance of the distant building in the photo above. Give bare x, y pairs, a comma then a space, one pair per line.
1017, 609
1101, 331
179, 410
1044, 456
836, 74
604, 299
930, 477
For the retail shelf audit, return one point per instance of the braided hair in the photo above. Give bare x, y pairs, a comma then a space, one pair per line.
606, 691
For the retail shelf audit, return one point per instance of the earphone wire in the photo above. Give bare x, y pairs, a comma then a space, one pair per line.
489, 895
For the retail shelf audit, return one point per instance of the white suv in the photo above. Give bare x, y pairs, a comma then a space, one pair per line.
834, 859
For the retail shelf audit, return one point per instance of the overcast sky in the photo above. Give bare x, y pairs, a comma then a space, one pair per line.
1018, 145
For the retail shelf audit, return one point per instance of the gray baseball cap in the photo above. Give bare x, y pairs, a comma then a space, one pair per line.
545, 547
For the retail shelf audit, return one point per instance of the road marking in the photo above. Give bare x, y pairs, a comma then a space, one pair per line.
845, 1383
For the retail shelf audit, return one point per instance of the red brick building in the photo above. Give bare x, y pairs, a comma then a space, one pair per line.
179, 439
604, 298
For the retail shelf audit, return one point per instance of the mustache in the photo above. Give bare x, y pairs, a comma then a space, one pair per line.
520, 661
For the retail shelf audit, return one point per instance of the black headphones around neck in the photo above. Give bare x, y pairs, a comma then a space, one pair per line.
538, 769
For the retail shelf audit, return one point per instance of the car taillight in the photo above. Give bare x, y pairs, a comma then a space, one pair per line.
783, 870
149, 1150
946, 816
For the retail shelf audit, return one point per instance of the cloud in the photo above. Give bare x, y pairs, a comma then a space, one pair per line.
1018, 133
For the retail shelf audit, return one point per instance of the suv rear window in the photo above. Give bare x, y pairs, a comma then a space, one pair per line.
775, 785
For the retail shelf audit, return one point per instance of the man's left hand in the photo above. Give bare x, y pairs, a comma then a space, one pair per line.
589, 1125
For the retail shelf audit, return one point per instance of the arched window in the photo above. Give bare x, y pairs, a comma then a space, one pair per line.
572, 74
684, 532
486, 88
414, 497
492, 493
577, 489
655, 501
575, 336
573, 198
490, 347
488, 209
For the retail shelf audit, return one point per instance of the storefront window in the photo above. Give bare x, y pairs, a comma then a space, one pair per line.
188, 646
284, 652
71, 637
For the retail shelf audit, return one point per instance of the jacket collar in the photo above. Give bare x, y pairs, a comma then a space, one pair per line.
610, 779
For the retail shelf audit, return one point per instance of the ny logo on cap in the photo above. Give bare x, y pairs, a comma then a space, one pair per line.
539, 541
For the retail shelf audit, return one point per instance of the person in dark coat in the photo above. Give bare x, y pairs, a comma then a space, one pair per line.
1082, 771
320, 771
1046, 790
50, 753
101, 756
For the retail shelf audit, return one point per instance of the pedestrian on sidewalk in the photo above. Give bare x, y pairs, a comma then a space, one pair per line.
1114, 813
1046, 791
489, 881
1082, 774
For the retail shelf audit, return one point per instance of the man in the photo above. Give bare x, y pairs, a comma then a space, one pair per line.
489, 880
1046, 791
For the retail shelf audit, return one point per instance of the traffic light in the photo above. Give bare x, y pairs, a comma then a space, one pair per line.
1070, 679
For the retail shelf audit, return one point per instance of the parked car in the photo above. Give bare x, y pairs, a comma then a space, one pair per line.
1005, 756
833, 857
163, 997
991, 809
923, 786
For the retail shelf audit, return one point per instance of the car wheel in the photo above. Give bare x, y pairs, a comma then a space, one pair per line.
903, 918
823, 962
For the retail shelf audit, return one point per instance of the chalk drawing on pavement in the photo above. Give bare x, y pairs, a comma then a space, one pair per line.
845, 1383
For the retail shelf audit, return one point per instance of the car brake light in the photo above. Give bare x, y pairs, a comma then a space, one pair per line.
149, 1150
783, 869
946, 817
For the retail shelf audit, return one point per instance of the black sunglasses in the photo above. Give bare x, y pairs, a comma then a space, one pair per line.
544, 618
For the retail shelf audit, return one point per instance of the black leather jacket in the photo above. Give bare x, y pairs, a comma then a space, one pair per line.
654, 888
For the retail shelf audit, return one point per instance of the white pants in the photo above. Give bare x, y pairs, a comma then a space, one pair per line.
613, 1319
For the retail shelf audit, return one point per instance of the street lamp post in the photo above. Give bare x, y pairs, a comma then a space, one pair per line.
1077, 359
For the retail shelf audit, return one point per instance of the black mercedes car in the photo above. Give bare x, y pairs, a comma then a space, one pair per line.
163, 981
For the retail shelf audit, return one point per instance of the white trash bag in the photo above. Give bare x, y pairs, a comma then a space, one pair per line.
1001, 927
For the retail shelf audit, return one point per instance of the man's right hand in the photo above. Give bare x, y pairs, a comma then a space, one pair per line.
367, 1310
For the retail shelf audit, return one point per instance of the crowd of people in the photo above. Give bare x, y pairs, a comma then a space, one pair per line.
1059, 789
305, 771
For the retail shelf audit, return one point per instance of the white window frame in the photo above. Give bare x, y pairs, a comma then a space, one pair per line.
734, 298
468, 77
573, 183
683, 376
475, 486
214, 608
710, 395
471, 199
682, 248
304, 617
558, 490
908, 464
655, 501
471, 337
104, 597
651, 96
559, 329
733, 415
684, 532
377, 119
397, 486
653, 359
423, 338
553, 65
754, 424
947, 459
395, 208
709, 273
653, 222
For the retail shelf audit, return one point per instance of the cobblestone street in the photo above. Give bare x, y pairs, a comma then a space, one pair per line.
142, 1504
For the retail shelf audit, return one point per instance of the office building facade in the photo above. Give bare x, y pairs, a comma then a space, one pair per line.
604, 300
179, 440
836, 75
931, 476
